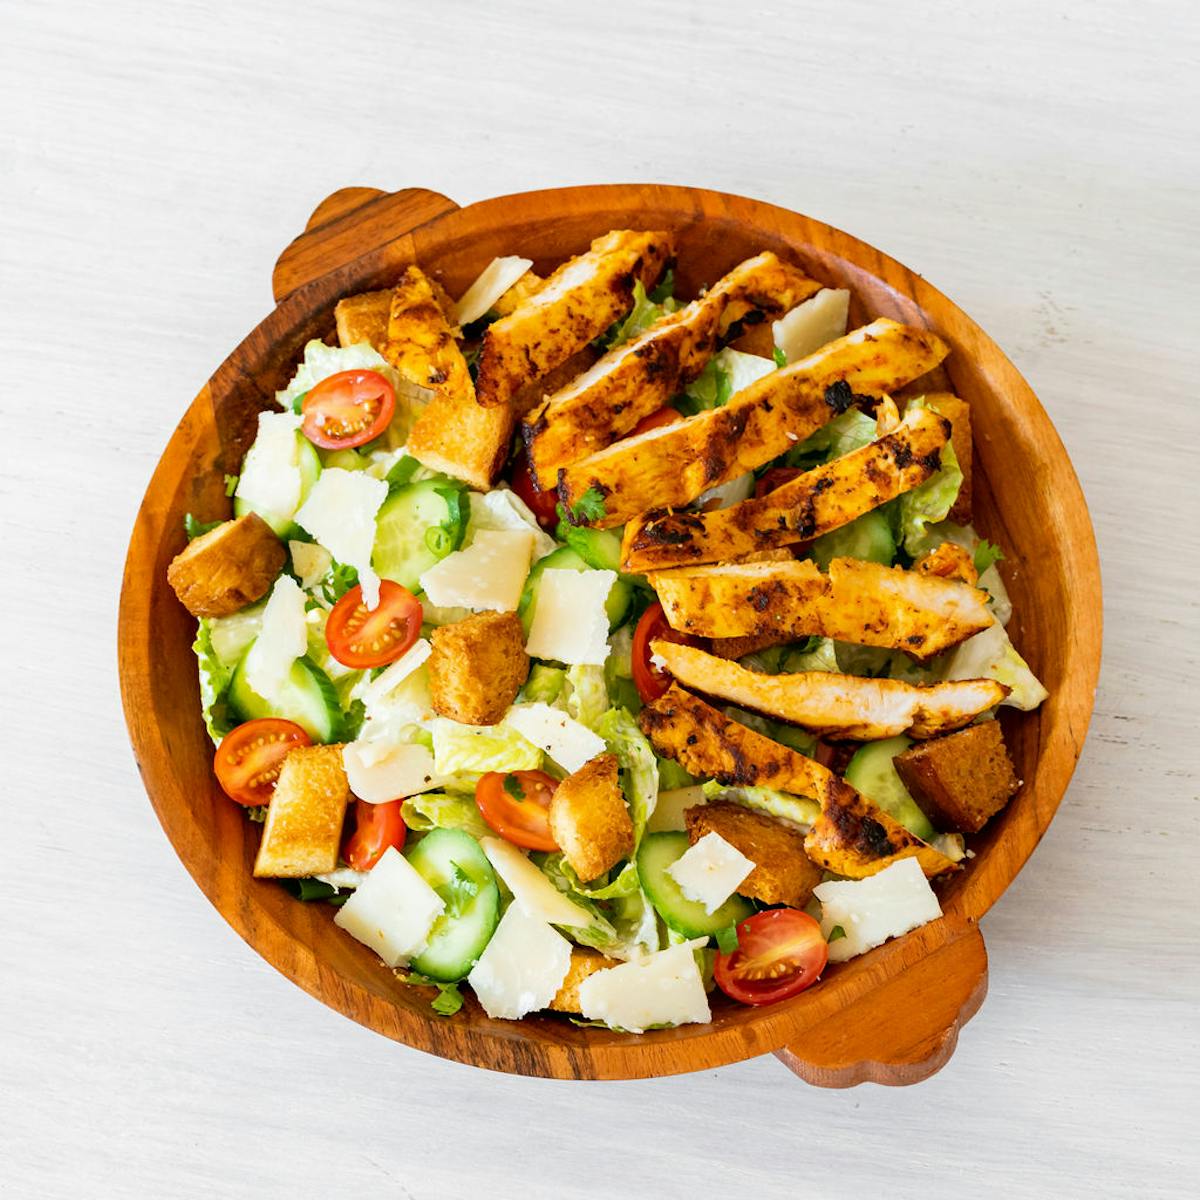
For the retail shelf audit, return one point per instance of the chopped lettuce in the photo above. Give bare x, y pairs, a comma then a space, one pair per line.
639, 767
991, 655
786, 735
724, 375
991, 583
478, 748
214, 683
644, 313
503, 510
932, 501
545, 684
849, 431
800, 810
231, 636
819, 655
626, 882
586, 694
444, 810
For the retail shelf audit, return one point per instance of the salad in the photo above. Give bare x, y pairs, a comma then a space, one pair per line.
590, 650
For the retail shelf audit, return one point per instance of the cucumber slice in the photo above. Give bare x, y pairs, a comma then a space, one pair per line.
868, 537
688, 917
346, 460
872, 773
306, 697
417, 526
460, 934
599, 548
563, 559
309, 464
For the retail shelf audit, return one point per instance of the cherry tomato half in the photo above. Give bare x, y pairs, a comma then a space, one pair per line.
376, 827
775, 477
651, 681
517, 806
543, 505
360, 637
248, 759
780, 952
663, 416
348, 409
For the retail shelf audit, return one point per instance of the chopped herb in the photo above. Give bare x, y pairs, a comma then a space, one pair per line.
457, 891
338, 581
195, 529
727, 939
512, 785
298, 402
835, 934
448, 1000
309, 889
352, 720
589, 507
231, 482
987, 553
257, 813
665, 289
779, 356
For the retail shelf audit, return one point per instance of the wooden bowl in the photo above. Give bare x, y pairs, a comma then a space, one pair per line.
891, 1016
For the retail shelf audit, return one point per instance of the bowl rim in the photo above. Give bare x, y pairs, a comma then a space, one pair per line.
502, 1045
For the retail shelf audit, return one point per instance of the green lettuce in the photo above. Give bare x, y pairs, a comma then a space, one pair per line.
479, 748
639, 766
800, 810
848, 431
724, 375
563, 876
214, 684
786, 735
991, 655
645, 311
444, 810
586, 696
819, 655
932, 501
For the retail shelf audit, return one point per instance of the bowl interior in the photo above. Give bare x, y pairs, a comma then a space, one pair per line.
1042, 526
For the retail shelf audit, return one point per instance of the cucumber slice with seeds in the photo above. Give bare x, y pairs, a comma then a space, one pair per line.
306, 697
417, 526
657, 852
563, 559
872, 772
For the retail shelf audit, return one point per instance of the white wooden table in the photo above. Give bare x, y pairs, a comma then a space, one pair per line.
1038, 161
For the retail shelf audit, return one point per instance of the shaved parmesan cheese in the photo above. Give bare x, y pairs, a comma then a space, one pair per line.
340, 514
725, 494
270, 480
532, 891
502, 508
672, 804
392, 910
343, 877
488, 574
710, 871
570, 624
813, 324
496, 278
378, 772
871, 910
661, 989
568, 742
394, 674
310, 562
282, 640
522, 967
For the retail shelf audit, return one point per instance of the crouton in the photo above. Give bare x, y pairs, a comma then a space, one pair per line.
854, 837
583, 963
949, 561
867, 603
227, 568
304, 819
822, 499
672, 465
576, 304
839, 706
783, 873
958, 412
477, 666
963, 780
363, 318
589, 819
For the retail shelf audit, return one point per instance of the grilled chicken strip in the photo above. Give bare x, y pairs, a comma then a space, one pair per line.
862, 602
672, 465
853, 836
838, 706
822, 499
576, 304
636, 379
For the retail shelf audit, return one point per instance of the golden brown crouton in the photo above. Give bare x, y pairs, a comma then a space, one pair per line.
963, 780
227, 568
583, 963
589, 819
304, 819
363, 318
958, 412
950, 561
477, 667
783, 873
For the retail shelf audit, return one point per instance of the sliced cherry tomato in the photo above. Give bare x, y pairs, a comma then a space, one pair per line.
651, 681
376, 827
248, 759
775, 477
517, 806
348, 409
543, 505
780, 952
360, 637
663, 416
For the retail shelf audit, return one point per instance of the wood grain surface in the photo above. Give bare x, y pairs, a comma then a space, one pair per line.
1035, 162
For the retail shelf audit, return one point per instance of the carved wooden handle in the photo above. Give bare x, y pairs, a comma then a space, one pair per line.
903, 1030
348, 224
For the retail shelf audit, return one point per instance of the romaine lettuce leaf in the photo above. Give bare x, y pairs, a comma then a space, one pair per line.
479, 748
800, 810
586, 694
819, 656
214, 684
639, 766
724, 375
644, 313
849, 431
786, 735
444, 810
991, 655
502, 509
932, 501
